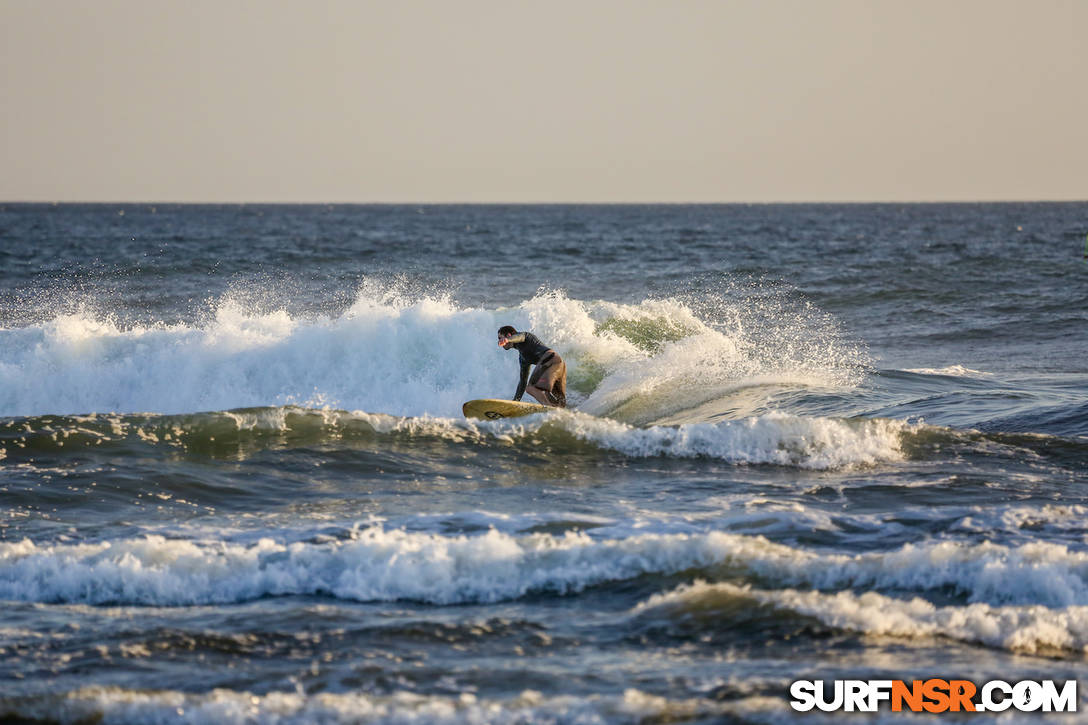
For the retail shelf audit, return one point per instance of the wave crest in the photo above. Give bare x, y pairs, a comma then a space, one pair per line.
775, 438
1030, 629
375, 564
412, 356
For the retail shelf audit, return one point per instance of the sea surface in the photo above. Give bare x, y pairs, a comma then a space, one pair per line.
805, 442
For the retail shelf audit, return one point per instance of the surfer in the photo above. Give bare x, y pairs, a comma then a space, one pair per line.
548, 383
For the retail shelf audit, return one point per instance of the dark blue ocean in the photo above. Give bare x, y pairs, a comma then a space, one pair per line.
805, 442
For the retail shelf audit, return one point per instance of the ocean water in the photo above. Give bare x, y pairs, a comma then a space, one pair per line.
805, 442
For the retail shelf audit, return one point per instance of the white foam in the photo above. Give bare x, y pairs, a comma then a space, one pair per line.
1028, 629
378, 564
775, 438
1016, 519
952, 371
115, 705
387, 353
410, 360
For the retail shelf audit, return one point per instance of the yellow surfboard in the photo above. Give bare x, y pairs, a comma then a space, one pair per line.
490, 409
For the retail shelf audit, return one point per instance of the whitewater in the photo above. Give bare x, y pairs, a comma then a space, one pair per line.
388, 354
236, 484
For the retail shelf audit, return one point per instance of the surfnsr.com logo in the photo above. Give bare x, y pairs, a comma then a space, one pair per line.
933, 695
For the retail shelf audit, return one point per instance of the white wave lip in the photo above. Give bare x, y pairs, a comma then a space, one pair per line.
386, 565
1028, 629
377, 565
775, 438
951, 371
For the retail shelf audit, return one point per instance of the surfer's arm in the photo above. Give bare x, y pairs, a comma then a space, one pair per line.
524, 379
515, 339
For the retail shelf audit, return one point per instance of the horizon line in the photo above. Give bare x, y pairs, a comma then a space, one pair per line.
857, 202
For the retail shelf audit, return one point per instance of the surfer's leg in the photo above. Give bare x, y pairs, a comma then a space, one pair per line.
535, 388
540, 395
547, 381
559, 387
554, 383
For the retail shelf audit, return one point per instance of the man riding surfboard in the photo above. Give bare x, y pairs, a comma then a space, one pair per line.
548, 383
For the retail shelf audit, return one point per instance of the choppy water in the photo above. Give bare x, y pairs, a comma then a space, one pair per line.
806, 442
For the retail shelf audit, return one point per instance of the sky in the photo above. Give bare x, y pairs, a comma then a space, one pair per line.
559, 101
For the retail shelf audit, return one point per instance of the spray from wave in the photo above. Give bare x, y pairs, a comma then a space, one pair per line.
414, 354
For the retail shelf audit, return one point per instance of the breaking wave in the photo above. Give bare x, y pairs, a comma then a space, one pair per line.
377, 564
413, 356
1031, 629
774, 438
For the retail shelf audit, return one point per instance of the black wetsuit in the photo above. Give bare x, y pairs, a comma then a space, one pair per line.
531, 351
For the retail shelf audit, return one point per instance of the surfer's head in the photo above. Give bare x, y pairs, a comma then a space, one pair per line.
505, 332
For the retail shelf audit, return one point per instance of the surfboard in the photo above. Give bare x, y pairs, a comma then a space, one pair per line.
491, 409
